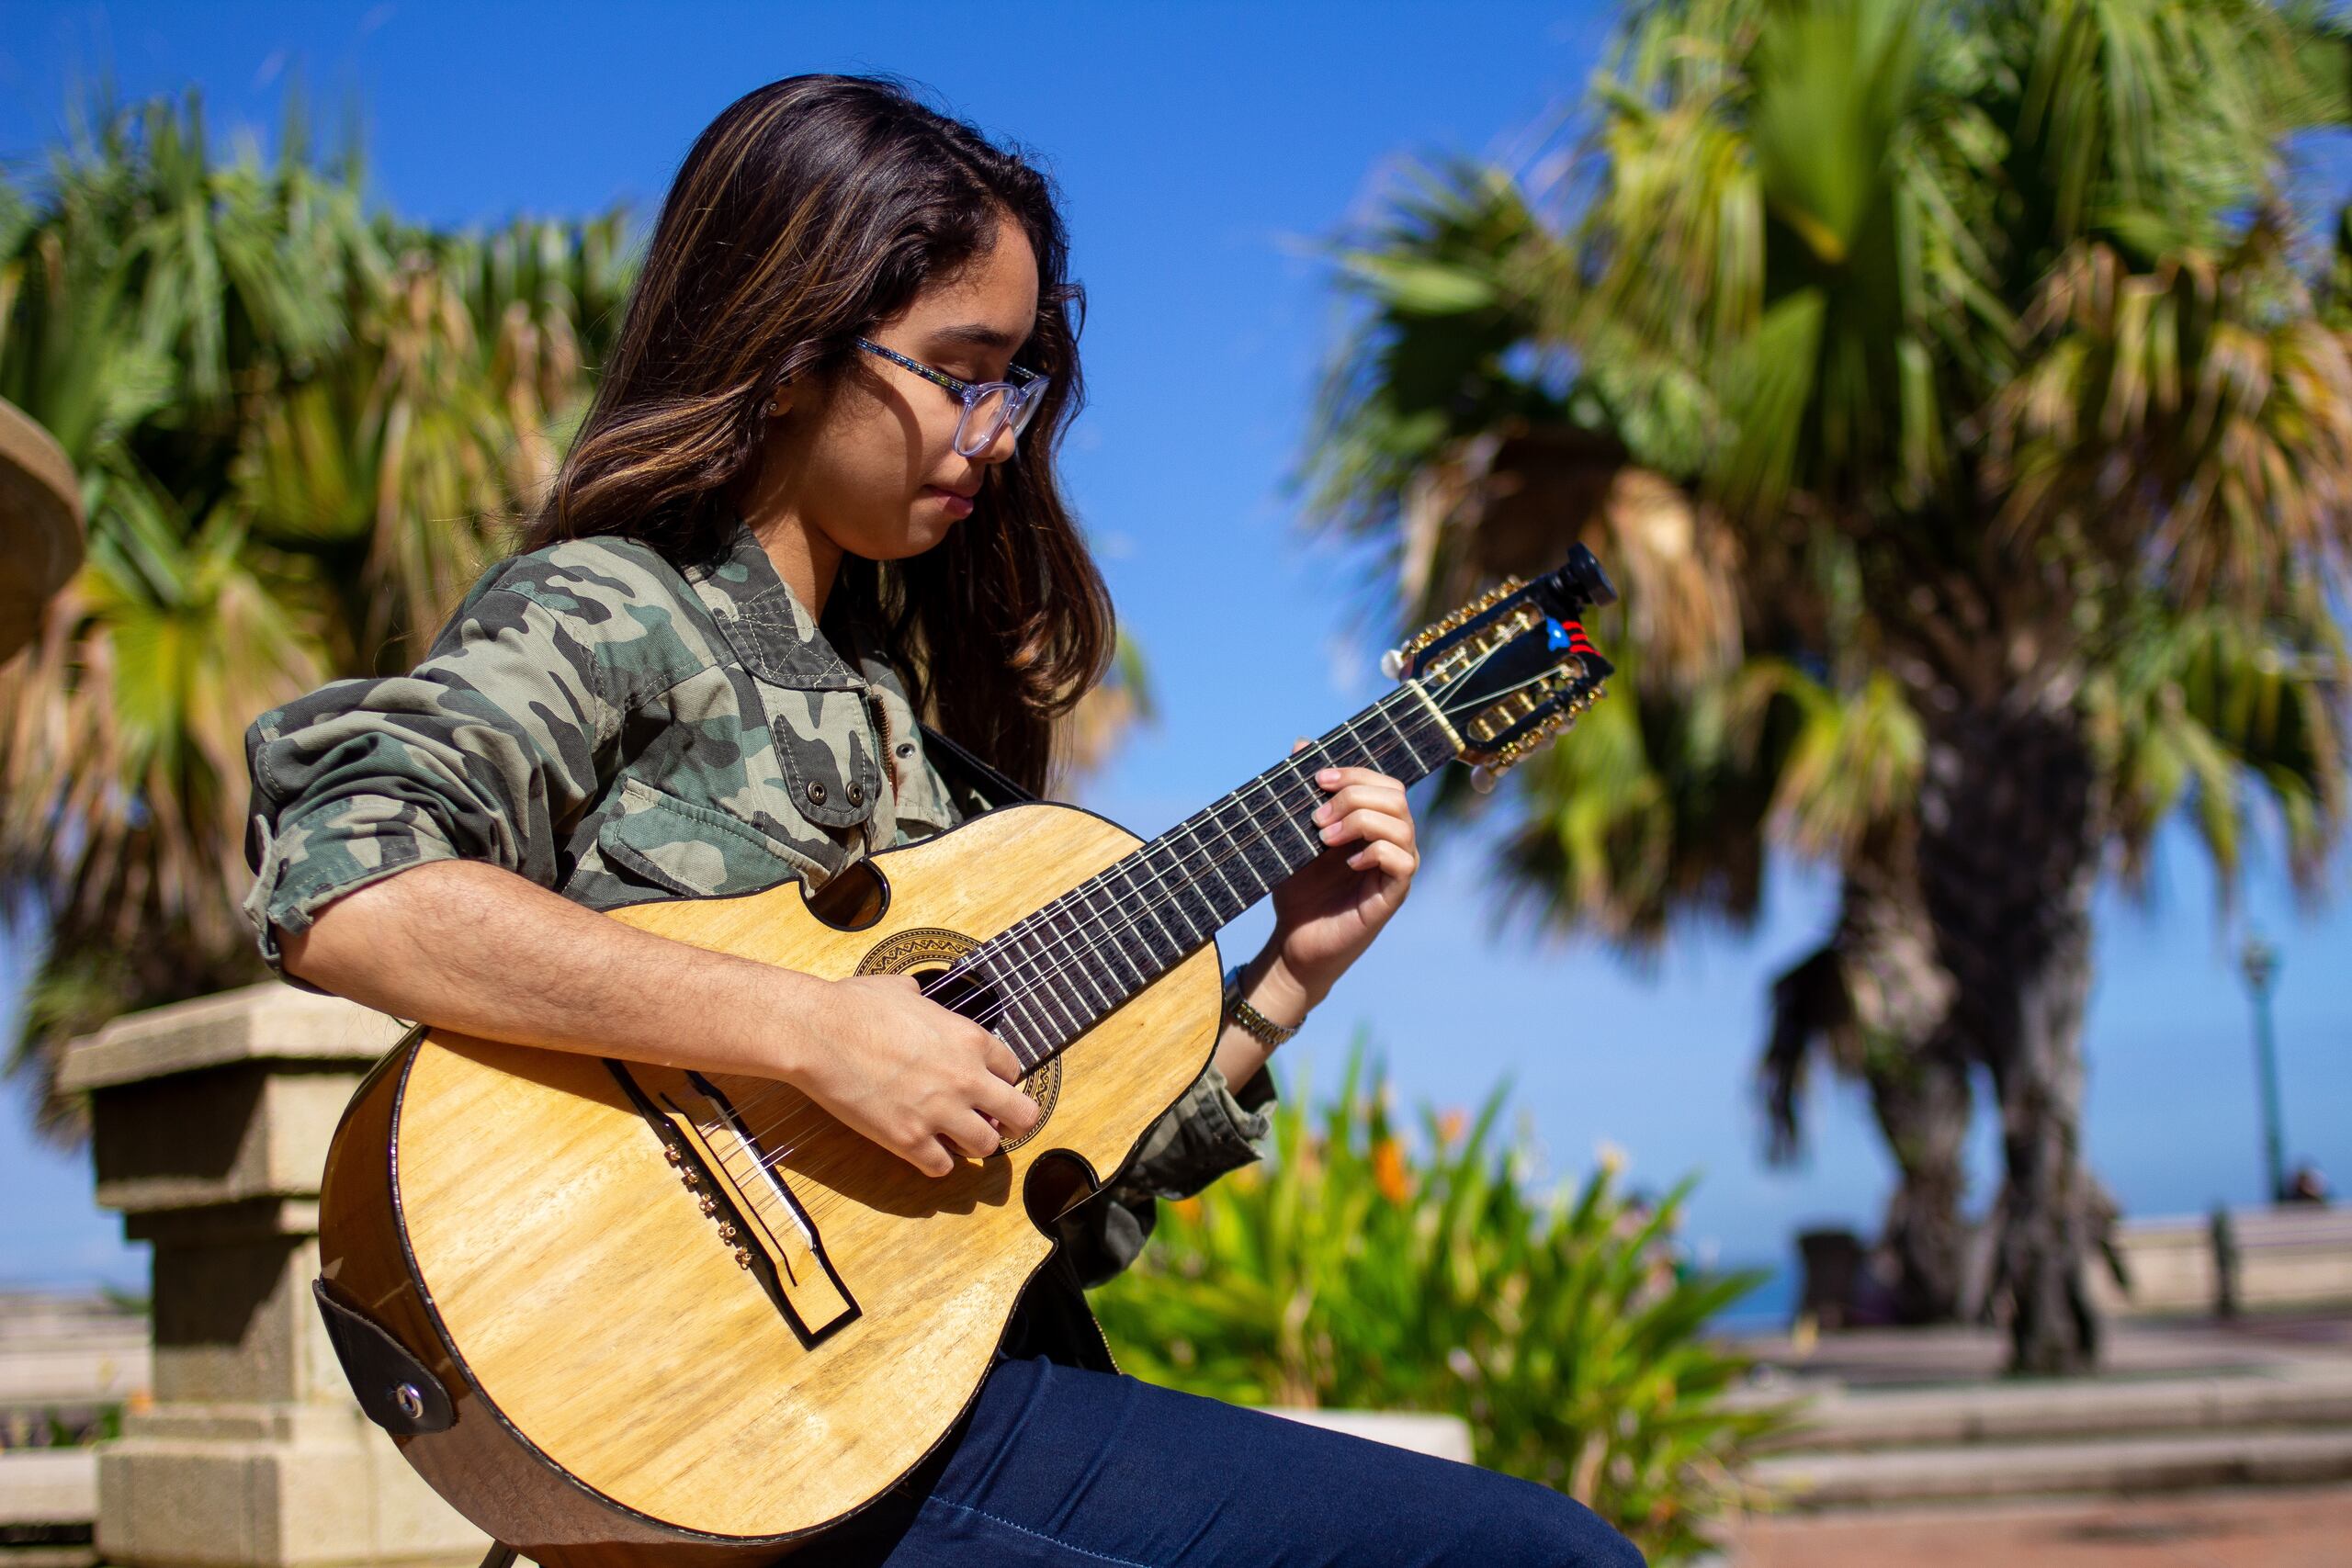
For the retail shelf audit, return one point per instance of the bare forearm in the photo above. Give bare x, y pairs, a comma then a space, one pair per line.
471, 947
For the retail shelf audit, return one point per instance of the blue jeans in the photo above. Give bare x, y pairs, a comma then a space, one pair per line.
1058, 1467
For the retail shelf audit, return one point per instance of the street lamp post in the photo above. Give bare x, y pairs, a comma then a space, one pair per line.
2260, 961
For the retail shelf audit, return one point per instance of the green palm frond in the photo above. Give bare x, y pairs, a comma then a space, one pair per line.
2194, 713
300, 429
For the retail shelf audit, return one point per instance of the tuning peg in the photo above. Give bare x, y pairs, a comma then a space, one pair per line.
1483, 779
1392, 664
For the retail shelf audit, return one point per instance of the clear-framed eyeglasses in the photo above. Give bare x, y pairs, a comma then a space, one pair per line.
989, 407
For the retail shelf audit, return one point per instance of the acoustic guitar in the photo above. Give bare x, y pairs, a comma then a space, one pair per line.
619, 1314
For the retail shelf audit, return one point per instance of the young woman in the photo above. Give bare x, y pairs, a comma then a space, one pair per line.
815, 498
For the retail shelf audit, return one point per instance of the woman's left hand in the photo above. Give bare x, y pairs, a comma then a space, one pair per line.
1327, 913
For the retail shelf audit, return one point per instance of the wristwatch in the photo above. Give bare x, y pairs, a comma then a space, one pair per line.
1255, 1024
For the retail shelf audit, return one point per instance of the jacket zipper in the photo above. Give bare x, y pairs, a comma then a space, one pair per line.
881, 716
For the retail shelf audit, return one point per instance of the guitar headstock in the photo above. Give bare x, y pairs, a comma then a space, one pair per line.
1513, 668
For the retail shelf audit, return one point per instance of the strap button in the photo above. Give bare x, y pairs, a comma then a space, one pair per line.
856, 793
816, 793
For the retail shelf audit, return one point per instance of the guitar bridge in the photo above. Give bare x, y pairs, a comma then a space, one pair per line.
754, 1213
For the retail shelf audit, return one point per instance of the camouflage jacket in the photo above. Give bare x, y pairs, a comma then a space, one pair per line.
617, 730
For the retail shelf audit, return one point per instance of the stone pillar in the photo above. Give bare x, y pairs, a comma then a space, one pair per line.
209, 1127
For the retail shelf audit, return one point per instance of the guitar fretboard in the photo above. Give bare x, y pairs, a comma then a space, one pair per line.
1050, 977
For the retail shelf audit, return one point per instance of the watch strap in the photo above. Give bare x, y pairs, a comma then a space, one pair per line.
1255, 1024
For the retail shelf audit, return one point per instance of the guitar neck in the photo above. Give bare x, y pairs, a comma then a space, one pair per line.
1050, 977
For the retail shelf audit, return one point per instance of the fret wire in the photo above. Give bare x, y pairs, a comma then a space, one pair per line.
1114, 938
1390, 720
1035, 986
1257, 846
1033, 1053
1109, 909
1077, 962
1195, 896
1348, 730
1240, 904
1137, 947
1313, 845
1170, 902
1246, 847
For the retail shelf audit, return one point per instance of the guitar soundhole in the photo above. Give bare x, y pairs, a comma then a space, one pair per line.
927, 953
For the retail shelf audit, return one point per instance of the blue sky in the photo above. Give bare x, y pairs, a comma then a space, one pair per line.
1206, 152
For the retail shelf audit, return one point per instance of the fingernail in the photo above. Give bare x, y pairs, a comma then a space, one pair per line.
1328, 777
1323, 814
1331, 830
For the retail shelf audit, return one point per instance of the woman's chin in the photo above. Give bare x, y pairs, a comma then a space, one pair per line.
921, 533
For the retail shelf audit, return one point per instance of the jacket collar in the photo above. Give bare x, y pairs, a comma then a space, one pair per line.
765, 623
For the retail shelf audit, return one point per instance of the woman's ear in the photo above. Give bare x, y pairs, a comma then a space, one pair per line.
780, 400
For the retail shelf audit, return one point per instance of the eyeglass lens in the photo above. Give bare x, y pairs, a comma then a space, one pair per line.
984, 420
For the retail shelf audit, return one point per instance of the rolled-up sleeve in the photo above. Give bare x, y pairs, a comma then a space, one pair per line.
476, 754
1211, 1129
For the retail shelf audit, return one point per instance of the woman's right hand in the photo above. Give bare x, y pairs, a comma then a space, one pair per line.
924, 1082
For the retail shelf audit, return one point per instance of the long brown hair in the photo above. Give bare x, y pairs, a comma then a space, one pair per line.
811, 210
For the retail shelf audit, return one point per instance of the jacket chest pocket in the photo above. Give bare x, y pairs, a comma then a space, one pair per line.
696, 850
824, 745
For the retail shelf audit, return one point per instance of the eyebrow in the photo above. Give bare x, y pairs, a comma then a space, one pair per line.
977, 335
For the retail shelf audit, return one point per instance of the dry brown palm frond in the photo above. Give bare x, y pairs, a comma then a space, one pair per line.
2193, 420
1510, 503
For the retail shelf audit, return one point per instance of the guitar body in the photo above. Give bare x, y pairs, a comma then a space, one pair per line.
656, 1354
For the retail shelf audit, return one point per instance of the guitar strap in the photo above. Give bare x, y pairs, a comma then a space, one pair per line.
977, 775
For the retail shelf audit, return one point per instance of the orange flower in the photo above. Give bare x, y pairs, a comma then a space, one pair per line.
1389, 1171
1187, 1209
1451, 1123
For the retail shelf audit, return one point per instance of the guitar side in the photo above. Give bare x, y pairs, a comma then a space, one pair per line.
626, 1390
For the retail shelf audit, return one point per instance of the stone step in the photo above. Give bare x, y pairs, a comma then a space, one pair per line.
48, 1486
1841, 1418
1978, 1471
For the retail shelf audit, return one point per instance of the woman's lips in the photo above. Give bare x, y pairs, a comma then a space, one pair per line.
957, 505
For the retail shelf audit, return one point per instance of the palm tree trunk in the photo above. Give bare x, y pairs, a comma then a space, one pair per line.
1874, 999
2008, 859
1923, 1105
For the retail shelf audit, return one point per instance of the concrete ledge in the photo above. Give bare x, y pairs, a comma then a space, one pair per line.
210, 1503
1844, 1419
266, 1023
48, 1486
1440, 1437
2113, 1466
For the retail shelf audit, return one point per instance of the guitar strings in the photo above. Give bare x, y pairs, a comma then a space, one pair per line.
1096, 927
1021, 980
809, 1113
816, 1172
1024, 980
1088, 941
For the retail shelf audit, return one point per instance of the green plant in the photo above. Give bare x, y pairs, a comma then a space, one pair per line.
1948, 387
1361, 1270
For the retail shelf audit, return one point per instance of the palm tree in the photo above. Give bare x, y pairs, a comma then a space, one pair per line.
1944, 382
299, 428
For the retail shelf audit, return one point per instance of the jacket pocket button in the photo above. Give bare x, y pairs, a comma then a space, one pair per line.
816, 793
856, 794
